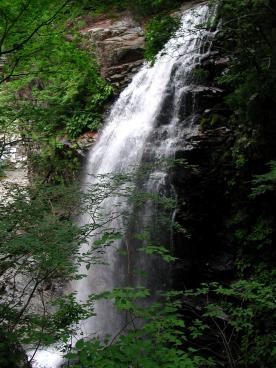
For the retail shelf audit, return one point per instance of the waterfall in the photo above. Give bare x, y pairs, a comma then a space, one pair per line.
146, 123
150, 121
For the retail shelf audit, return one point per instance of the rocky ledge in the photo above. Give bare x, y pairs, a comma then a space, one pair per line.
119, 48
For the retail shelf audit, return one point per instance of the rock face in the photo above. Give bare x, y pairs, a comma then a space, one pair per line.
201, 186
119, 48
14, 159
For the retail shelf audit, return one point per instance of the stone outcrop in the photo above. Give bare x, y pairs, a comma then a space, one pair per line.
119, 47
14, 159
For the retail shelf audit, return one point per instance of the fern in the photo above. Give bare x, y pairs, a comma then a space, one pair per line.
264, 183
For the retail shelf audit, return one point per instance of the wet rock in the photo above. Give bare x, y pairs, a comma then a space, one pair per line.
80, 145
85, 141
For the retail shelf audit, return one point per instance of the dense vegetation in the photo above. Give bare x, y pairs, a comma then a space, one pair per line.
140, 8
51, 88
54, 88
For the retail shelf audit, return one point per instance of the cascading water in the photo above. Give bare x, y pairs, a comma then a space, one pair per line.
150, 121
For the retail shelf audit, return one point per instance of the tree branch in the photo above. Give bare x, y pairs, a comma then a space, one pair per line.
41, 25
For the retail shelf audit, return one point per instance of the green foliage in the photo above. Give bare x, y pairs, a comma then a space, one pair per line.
235, 314
266, 182
81, 121
159, 30
144, 7
98, 7
209, 121
67, 92
251, 71
54, 85
140, 8
55, 163
34, 228
155, 343
31, 18
201, 74
150, 248
247, 38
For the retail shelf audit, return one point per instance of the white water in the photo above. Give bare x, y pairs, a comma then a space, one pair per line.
148, 122
50, 358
